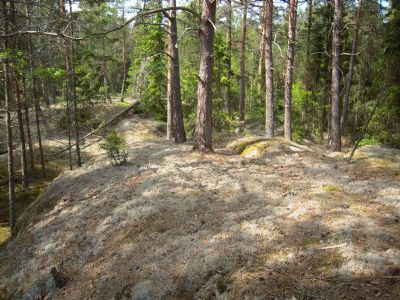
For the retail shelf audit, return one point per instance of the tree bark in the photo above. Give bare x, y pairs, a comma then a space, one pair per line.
170, 118
8, 106
24, 162
307, 85
289, 69
15, 76
349, 78
105, 75
335, 88
203, 139
174, 82
123, 54
269, 70
242, 54
28, 130
227, 93
71, 82
261, 52
35, 100
308, 67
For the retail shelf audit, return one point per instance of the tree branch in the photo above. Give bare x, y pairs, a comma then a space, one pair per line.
126, 23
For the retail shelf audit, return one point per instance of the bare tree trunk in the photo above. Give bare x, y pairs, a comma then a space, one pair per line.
242, 54
308, 67
261, 51
68, 111
227, 94
349, 78
203, 137
105, 75
289, 69
35, 100
305, 121
10, 153
174, 79
170, 118
170, 88
28, 130
37, 116
71, 81
24, 163
123, 54
269, 70
13, 44
335, 89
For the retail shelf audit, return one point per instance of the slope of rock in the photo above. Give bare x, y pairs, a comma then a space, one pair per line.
176, 224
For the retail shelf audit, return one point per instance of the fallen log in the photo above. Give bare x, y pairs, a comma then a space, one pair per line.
134, 107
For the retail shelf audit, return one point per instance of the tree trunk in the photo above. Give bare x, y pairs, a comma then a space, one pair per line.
308, 67
8, 106
123, 54
227, 94
242, 54
203, 137
69, 68
174, 80
69, 121
335, 89
13, 44
269, 70
28, 130
349, 78
170, 88
170, 118
35, 99
261, 51
307, 86
24, 163
105, 75
289, 69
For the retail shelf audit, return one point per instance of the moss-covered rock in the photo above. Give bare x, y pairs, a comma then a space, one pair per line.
263, 148
238, 146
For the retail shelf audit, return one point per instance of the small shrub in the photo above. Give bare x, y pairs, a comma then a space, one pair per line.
221, 120
116, 147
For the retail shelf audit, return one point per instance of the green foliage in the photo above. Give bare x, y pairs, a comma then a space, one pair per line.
54, 73
116, 147
148, 70
190, 123
221, 120
369, 141
87, 118
303, 106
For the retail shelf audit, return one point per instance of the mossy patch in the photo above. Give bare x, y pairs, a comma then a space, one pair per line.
240, 145
380, 163
122, 103
255, 151
270, 147
332, 189
359, 208
331, 260
4, 234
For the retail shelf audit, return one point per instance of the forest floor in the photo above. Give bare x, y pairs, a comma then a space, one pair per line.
258, 219
53, 141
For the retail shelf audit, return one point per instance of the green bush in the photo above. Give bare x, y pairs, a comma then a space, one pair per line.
116, 147
221, 120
